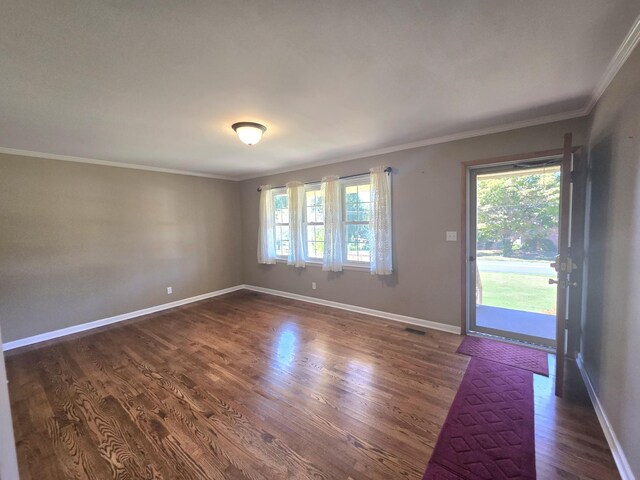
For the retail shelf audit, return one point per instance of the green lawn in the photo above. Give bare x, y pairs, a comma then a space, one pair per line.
530, 293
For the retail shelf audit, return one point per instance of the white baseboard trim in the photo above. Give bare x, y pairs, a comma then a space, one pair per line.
118, 318
353, 308
43, 337
616, 449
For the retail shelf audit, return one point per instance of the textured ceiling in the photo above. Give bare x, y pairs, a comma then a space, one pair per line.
159, 83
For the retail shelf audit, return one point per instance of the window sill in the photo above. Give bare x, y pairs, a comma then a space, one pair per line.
311, 263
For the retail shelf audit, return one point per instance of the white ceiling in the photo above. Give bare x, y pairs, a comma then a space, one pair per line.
158, 83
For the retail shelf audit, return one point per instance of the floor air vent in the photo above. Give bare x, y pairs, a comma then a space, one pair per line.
413, 330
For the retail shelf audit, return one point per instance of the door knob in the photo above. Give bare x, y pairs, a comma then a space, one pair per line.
552, 281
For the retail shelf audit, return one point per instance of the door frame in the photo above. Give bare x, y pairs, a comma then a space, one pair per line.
465, 179
472, 266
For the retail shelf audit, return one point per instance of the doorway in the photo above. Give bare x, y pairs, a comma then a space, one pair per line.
513, 227
531, 206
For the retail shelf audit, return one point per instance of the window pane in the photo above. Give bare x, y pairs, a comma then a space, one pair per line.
363, 212
358, 244
357, 203
315, 206
281, 207
351, 189
281, 200
352, 215
364, 193
310, 201
282, 240
358, 212
282, 215
364, 256
315, 241
351, 196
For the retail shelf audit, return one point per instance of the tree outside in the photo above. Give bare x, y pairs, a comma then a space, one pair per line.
518, 213
358, 201
315, 224
517, 228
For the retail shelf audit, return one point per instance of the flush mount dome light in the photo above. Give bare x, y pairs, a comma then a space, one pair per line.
249, 132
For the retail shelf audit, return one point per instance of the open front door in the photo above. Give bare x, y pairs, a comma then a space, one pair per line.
568, 263
506, 295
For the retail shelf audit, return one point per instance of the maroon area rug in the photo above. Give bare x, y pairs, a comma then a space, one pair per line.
506, 353
489, 432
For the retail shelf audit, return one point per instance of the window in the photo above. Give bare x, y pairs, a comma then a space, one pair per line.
356, 203
314, 221
356, 195
281, 210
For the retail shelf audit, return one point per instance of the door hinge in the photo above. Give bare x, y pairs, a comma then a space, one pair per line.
566, 324
572, 176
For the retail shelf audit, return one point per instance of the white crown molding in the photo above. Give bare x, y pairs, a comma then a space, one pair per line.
63, 332
614, 444
107, 163
630, 41
354, 308
556, 117
622, 54
370, 153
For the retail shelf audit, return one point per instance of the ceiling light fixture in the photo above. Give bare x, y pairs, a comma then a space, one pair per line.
249, 132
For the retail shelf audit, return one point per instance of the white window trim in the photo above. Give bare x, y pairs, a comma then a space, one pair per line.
360, 267
314, 261
360, 180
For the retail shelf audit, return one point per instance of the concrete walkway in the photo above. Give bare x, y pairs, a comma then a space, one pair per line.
517, 321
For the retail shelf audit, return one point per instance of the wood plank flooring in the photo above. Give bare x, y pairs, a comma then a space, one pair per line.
252, 386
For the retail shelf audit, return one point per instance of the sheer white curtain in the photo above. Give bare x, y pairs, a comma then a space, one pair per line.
380, 222
332, 193
266, 240
297, 254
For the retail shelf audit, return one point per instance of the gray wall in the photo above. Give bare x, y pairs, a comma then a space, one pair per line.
612, 317
426, 203
82, 242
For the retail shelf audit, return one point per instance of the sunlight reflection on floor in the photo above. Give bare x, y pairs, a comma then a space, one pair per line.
287, 345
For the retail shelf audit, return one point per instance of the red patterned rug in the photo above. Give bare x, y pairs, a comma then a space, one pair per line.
506, 353
489, 432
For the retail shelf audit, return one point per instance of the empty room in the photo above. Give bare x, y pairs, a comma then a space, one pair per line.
358, 239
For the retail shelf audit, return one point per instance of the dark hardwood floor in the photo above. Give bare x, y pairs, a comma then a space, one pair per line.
259, 387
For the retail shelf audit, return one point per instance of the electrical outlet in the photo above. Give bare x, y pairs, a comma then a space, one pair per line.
452, 236
313, 285
169, 290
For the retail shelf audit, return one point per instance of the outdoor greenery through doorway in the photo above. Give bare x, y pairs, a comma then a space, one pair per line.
517, 228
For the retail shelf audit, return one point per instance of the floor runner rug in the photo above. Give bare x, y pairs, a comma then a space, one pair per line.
489, 431
506, 353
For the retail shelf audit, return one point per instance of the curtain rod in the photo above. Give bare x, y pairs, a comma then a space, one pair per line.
388, 170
